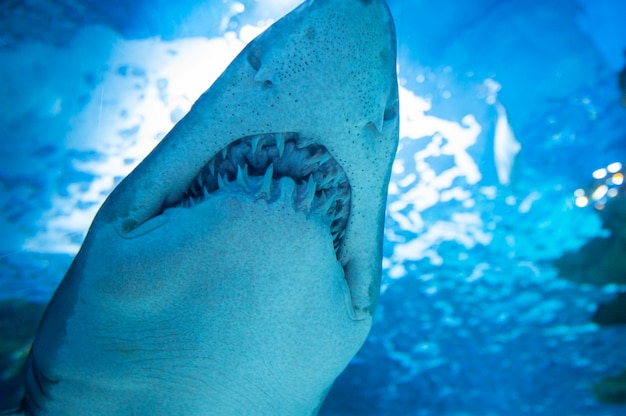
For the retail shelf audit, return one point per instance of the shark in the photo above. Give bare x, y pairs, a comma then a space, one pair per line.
237, 269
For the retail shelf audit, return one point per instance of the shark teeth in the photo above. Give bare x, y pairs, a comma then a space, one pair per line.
242, 177
305, 201
255, 165
254, 144
265, 191
280, 144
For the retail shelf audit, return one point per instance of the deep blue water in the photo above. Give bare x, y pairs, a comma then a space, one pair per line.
474, 318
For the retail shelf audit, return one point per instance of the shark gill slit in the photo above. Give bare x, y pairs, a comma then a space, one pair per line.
256, 164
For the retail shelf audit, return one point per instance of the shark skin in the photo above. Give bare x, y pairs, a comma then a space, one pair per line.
239, 301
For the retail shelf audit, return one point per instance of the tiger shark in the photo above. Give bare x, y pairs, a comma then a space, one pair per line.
237, 268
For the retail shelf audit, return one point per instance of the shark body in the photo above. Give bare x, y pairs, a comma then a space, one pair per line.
237, 268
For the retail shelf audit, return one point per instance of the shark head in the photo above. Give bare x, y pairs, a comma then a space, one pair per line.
327, 73
237, 268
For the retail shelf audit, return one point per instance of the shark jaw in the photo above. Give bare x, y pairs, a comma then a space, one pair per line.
255, 165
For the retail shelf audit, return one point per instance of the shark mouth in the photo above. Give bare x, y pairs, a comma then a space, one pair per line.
257, 165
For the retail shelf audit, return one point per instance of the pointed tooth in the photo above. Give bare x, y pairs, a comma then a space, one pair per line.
324, 182
310, 167
309, 195
221, 182
325, 206
280, 144
246, 175
345, 200
320, 157
337, 241
199, 181
266, 184
288, 191
225, 153
205, 192
241, 179
344, 212
191, 201
254, 144
338, 227
212, 168
338, 216
335, 229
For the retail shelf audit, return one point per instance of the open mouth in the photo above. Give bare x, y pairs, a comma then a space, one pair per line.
255, 165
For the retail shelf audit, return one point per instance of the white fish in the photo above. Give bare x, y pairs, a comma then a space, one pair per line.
505, 147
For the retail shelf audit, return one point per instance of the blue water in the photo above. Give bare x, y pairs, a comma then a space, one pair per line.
473, 317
